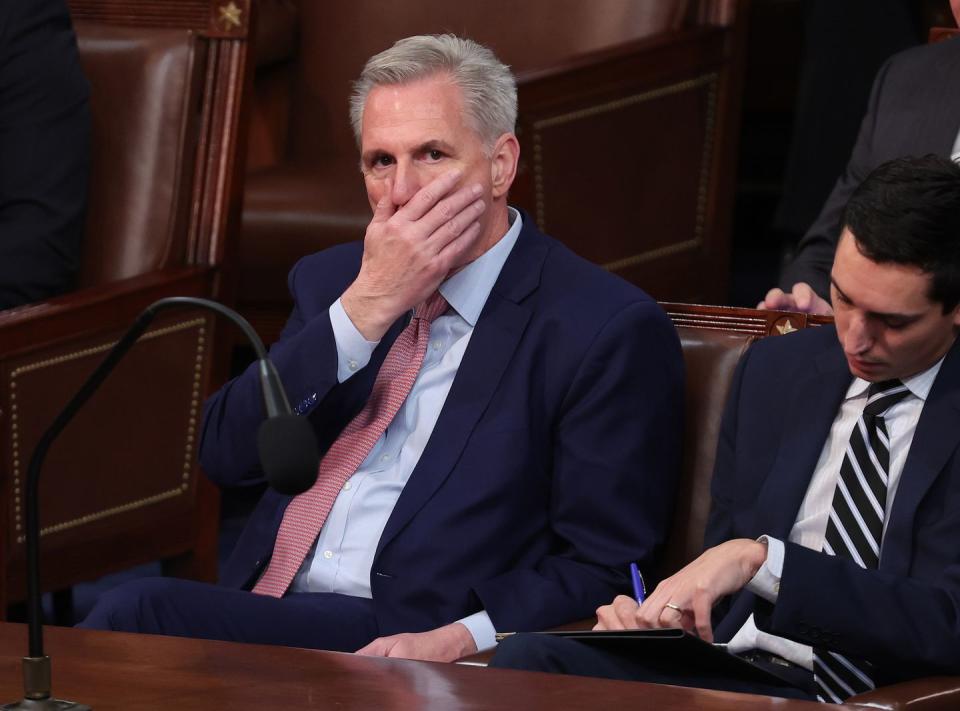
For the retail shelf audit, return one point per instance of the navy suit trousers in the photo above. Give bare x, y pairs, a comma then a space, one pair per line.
185, 608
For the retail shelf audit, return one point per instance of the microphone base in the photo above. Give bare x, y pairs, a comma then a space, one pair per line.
36, 686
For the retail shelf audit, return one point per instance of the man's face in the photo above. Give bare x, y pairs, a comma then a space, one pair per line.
412, 133
886, 322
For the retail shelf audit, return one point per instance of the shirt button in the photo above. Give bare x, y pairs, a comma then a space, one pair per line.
437, 345
347, 486
385, 458
776, 587
328, 554
353, 365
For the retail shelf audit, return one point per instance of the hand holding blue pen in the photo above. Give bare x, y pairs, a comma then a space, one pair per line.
639, 589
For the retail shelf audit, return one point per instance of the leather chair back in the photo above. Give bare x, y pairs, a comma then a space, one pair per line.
713, 339
143, 82
710, 358
516, 32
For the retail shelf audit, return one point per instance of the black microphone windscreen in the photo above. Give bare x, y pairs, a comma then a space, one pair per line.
288, 453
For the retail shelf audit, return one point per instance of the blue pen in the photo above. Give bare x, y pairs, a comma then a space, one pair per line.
639, 589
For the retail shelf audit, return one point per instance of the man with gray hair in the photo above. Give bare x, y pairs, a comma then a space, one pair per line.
500, 419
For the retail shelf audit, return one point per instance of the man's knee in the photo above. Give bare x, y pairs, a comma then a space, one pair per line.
136, 606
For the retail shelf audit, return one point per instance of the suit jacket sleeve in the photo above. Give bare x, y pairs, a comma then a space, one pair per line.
615, 464
814, 257
894, 621
306, 359
44, 151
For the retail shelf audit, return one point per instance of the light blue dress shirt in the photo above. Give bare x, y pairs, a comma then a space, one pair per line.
342, 556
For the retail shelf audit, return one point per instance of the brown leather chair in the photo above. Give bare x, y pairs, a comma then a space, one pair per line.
121, 485
628, 124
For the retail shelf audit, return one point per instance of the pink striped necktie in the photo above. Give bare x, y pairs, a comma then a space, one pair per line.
305, 515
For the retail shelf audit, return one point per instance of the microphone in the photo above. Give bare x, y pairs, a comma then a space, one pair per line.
285, 442
286, 445
288, 453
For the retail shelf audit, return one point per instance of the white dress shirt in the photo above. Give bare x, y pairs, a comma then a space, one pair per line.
810, 527
342, 556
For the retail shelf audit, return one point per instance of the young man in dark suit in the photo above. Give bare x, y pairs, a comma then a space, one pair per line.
832, 540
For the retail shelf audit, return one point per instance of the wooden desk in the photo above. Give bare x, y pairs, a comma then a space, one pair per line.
138, 672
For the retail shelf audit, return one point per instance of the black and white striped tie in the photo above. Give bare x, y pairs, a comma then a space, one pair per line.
855, 527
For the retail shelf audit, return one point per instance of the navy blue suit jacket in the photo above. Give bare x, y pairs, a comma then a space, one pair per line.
552, 465
904, 616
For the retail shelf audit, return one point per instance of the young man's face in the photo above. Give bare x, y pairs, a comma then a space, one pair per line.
887, 324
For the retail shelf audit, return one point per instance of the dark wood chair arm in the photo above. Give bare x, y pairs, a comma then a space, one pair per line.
635, 54
935, 693
96, 308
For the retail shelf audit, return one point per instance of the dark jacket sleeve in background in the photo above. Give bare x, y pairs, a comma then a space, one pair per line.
914, 110
44, 151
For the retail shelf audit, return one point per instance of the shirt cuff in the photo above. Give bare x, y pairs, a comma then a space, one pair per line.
481, 629
766, 582
353, 350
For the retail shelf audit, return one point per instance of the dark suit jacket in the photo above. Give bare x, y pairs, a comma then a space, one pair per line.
552, 465
914, 110
44, 151
904, 616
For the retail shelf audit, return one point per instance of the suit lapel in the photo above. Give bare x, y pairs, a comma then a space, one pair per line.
935, 439
494, 340
810, 410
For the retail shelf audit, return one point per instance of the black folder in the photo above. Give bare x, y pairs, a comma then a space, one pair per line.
676, 649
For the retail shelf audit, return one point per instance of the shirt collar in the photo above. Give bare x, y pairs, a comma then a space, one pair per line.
468, 289
919, 385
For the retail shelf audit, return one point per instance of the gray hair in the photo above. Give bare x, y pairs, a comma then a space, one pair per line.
488, 87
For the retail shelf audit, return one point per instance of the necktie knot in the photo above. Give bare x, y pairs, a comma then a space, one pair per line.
432, 308
882, 396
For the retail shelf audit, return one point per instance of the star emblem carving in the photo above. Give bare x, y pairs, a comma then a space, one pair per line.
230, 15
785, 328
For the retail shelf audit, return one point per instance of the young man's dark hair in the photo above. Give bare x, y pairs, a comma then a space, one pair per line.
907, 211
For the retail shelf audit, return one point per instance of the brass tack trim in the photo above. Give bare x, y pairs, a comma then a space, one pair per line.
199, 324
66, 357
652, 254
99, 515
618, 104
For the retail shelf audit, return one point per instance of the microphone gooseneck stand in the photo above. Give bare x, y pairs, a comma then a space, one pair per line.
36, 666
